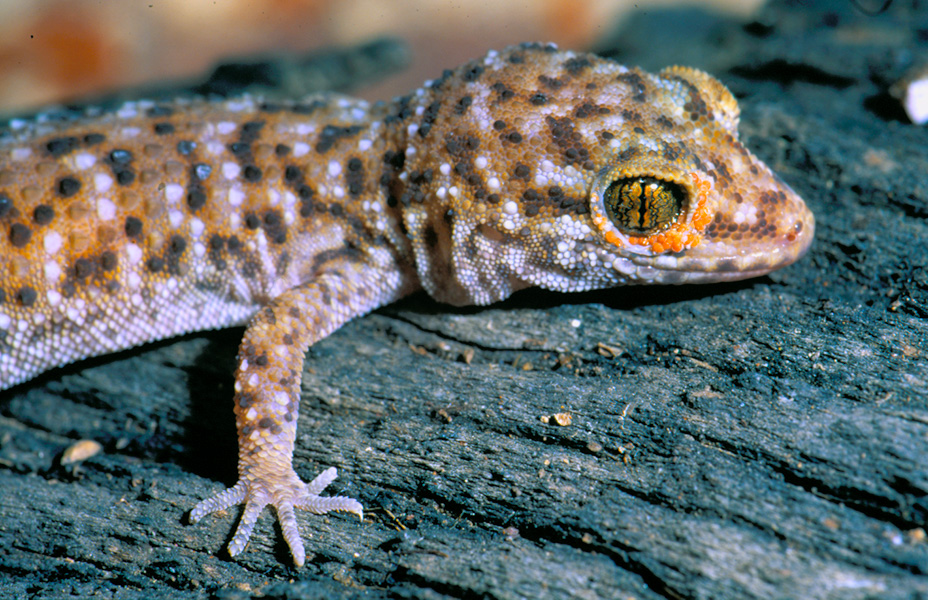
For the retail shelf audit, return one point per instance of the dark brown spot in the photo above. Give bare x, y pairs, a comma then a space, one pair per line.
473, 73
251, 174
133, 227
196, 198
68, 186
576, 65
19, 235
83, 268
108, 261
463, 104
92, 139
331, 134
26, 296
62, 146
43, 214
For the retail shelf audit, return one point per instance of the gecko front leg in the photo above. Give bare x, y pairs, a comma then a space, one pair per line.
267, 393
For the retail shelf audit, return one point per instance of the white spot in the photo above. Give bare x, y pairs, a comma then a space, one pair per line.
453, 191
410, 150
173, 192
52, 270
445, 169
493, 184
52, 242
364, 144
102, 182
440, 192
510, 208
136, 299
53, 297
230, 170
38, 318
916, 101
175, 218
236, 196
412, 129
5, 320
235, 221
127, 111
334, 168
547, 166
575, 323
480, 162
134, 254
236, 105
130, 132
133, 280
215, 147
508, 224
300, 149
338, 191
225, 127
196, 227
199, 249
20, 153
84, 160
304, 128
106, 209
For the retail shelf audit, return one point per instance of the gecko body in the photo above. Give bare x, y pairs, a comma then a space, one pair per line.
528, 167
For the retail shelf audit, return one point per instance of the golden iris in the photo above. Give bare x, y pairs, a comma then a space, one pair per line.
643, 205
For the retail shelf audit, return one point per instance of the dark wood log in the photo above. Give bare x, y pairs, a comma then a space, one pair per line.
766, 439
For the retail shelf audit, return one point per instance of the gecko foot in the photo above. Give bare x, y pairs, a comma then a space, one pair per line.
284, 494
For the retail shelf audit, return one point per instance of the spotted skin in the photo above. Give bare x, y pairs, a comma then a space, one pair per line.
154, 220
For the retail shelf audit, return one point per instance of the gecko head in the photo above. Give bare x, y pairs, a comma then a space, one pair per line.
568, 171
682, 200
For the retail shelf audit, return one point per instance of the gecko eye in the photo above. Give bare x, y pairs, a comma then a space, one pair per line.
643, 205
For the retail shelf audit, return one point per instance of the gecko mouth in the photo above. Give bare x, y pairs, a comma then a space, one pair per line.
725, 256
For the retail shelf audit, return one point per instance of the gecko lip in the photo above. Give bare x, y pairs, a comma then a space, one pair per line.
723, 257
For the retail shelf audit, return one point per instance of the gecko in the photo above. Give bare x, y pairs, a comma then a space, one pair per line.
531, 166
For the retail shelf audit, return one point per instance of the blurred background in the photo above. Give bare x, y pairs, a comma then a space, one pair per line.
58, 50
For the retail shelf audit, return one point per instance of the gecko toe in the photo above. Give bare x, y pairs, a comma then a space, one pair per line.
288, 526
231, 497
